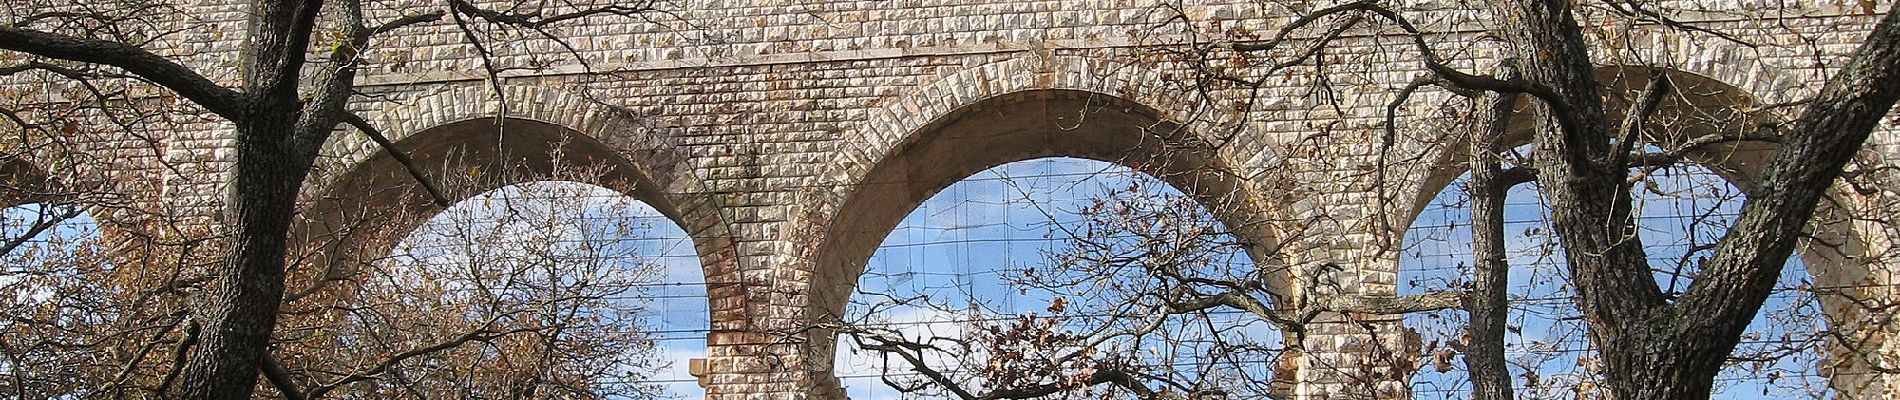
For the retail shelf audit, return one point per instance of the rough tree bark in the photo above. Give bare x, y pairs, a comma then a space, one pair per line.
276, 145
1654, 348
1487, 303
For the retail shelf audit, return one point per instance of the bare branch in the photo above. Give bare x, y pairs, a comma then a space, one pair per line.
1632, 127
1387, 305
533, 20
1636, 10
398, 23
1681, 151
40, 225
477, 335
164, 72
280, 380
409, 164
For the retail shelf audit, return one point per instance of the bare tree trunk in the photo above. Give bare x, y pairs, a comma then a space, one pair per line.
1590, 204
274, 155
1653, 348
241, 309
1488, 305
1590, 210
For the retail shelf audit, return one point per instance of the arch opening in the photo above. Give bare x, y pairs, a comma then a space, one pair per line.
474, 156
1024, 126
568, 289
1013, 128
1699, 113
361, 213
361, 226
1041, 260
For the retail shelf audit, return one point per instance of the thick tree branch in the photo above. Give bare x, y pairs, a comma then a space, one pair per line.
1639, 110
1741, 274
179, 353
60, 70
332, 85
277, 42
280, 380
335, 84
1387, 305
151, 67
1518, 175
1592, 210
1489, 304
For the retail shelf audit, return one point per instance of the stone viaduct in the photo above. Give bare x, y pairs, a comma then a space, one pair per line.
788, 137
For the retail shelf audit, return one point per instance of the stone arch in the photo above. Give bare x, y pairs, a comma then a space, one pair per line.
578, 114
894, 122
1011, 127
531, 124
1715, 107
468, 157
1703, 106
1094, 85
1084, 86
1712, 58
657, 169
365, 201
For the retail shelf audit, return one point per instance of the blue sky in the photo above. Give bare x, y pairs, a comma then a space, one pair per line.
957, 247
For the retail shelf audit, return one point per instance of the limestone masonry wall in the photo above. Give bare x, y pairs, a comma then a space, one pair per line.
754, 122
